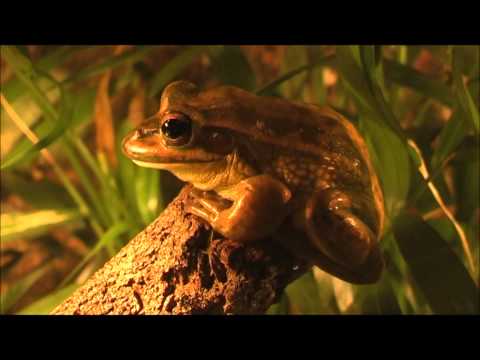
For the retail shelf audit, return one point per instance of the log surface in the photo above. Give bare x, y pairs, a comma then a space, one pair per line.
178, 266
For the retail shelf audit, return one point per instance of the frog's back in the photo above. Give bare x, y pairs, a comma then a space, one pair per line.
295, 125
307, 145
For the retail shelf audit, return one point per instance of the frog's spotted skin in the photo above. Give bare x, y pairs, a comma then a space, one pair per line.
271, 167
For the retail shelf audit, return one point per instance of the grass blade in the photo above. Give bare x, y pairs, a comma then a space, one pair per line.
391, 160
15, 88
304, 293
82, 110
463, 97
294, 57
34, 223
173, 68
438, 272
58, 130
112, 62
41, 194
106, 240
449, 139
231, 57
407, 76
280, 308
26, 73
270, 87
48, 303
20, 288
82, 205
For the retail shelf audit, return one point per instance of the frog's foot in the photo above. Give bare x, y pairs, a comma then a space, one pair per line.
206, 205
298, 243
256, 208
336, 231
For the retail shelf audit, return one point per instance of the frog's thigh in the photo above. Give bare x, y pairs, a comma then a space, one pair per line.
335, 231
259, 206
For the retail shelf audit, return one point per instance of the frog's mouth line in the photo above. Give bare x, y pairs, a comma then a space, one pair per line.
170, 165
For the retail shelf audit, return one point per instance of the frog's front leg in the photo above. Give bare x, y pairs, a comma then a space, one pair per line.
338, 233
260, 204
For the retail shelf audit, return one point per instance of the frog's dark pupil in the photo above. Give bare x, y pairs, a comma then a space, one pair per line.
175, 128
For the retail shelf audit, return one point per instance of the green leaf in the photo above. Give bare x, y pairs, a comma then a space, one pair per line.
173, 68
409, 77
110, 63
20, 288
474, 88
294, 57
232, 68
82, 111
34, 223
15, 88
467, 181
46, 304
366, 55
154, 202
38, 194
269, 88
108, 239
280, 308
27, 74
387, 301
41, 129
438, 272
449, 139
303, 294
83, 106
354, 79
445, 228
143, 186
319, 89
127, 171
391, 160
374, 77
380, 298
463, 97
59, 129
147, 185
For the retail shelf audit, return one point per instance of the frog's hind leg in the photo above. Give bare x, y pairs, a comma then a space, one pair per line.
339, 234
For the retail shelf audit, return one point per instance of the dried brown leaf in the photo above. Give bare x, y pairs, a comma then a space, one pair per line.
105, 134
136, 108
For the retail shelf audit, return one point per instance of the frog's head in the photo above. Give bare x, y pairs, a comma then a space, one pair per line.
181, 138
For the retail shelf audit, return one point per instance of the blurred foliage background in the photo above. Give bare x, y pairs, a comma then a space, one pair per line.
72, 200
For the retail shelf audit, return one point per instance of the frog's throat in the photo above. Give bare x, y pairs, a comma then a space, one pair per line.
202, 175
207, 175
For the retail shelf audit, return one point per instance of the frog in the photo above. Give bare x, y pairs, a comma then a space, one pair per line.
268, 167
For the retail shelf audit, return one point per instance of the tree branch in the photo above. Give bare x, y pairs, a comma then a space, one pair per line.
176, 266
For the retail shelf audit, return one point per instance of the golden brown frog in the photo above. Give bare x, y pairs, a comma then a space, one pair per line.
264, 166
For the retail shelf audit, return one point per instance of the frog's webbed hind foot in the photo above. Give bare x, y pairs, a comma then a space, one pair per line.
338, 233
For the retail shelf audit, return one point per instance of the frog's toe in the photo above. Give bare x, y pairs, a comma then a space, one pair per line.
195, 208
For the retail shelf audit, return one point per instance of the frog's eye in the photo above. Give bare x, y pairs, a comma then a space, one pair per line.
177, 129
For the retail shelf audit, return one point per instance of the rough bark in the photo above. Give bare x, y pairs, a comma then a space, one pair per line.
178, 266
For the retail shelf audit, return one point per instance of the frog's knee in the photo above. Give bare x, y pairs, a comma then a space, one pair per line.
353, 239
338, 233
268, 188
